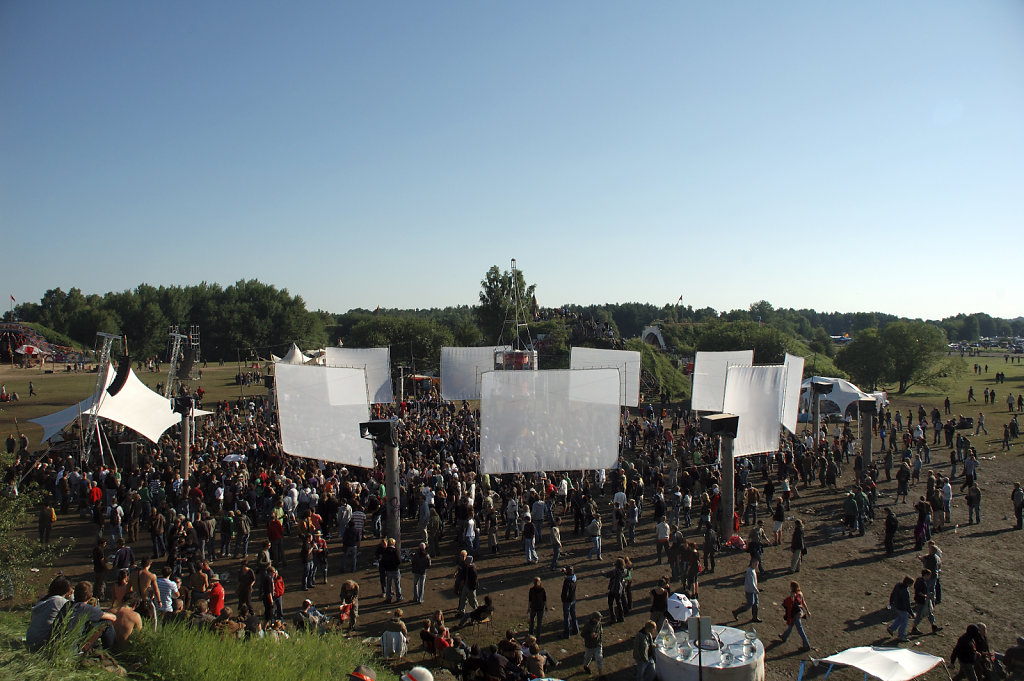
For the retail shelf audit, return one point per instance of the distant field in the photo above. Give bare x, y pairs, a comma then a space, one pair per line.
59, 390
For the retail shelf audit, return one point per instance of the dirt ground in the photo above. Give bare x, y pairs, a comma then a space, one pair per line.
846, 580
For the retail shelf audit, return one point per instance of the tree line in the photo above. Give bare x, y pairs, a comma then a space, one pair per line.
252, 319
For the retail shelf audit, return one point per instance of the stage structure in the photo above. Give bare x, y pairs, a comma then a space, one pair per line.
709, 370
549, 420
377, 364
626, 361
520, 354
320, 411
462, 369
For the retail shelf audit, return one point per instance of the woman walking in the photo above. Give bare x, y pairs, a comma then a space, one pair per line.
796, 610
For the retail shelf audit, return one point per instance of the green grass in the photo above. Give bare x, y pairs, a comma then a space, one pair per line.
17, 663
180, 653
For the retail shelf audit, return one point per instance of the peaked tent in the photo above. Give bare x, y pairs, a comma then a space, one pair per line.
293, 356
136, 406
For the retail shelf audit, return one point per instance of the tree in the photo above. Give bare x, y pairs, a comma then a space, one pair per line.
498, 293
18, 554
865, 359
913, 349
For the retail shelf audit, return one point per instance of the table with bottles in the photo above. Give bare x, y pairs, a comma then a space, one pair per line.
735, 655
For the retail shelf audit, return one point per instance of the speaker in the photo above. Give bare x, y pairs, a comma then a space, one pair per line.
268, 382
123, 369
720, 424
188, 358
128, 456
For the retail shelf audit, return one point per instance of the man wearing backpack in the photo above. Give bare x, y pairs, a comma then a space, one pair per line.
593, 633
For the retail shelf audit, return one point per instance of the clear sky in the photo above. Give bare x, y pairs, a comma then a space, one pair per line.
846, 156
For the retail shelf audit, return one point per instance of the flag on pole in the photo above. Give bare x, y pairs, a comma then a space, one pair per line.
680, 300
12, 298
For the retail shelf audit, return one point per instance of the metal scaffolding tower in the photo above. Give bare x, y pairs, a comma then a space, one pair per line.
102, 365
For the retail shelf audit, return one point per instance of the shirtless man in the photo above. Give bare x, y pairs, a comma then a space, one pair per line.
126, 623
144, 583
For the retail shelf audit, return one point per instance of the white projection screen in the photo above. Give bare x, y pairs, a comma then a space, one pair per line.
626, 361
755, 395
461, 369
791, 397
376, 361
553, 420
709, 377
320, 410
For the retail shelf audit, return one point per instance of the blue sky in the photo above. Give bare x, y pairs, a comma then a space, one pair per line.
837, 156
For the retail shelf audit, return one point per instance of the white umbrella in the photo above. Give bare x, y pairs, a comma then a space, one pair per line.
679, 607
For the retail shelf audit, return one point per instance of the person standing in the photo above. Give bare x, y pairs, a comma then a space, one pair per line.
659, 602
1017, 499
529, 540
47, 517
593, 643
571, 624
538, 601
594, 532
751, 591
100, 568
797, 545
391, 561
973, 497
420, 563
796, 610
556, 541
467, 591
643, 652
892, 525
899, 601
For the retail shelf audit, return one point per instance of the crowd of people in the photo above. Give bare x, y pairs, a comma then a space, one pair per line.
278, 523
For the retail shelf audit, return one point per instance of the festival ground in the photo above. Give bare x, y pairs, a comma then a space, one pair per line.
846, 580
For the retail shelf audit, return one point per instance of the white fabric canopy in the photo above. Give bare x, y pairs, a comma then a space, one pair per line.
553, 420
320, 410
888, 664
376, 362
791, 399
709, 377
293, 356
626, 361
755, 395
135, 406
842, 396
461, 369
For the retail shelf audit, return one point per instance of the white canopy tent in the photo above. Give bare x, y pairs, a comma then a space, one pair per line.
136, 406
887, 664
842, 396
293, 356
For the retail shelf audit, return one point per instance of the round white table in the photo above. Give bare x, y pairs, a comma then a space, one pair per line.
733, 665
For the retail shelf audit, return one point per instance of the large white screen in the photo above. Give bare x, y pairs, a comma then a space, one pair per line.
755, 395
320, 410
626, 361
461, 369
376, 361
791, 399
709, 377
549, 420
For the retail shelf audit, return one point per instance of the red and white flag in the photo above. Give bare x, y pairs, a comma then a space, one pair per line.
12, 298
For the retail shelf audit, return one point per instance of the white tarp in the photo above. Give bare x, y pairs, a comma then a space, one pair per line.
626, 361
136, 406
791, 399
461, 369
320, 409
377, 364
755, 395
709, 370
549, 420
842, 396
888, 664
